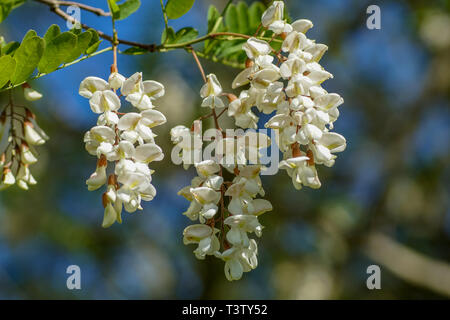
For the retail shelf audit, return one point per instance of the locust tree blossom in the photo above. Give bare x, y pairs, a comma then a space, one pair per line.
285, 84
19, 136
126, 140
304, 112
226, 212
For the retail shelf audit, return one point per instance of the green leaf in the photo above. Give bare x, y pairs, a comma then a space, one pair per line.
177, 8
254, 15
242, 12
7, 67
29, 34
57, 51
215, 24
52, 32
10, 48
168, 35
115, 10
232, 19
83, 41
185, 34
135, 51
27, 58
94, 43
127, 8
93, 47
213, 15
231, 50
6, 6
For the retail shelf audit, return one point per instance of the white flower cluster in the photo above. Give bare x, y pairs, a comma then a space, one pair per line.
286, 84
208, 191
290, 85
126, 139
18, 145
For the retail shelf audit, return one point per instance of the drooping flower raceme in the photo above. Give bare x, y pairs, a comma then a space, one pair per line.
289, 84
19, 136
127, 140
226, 212
285, 84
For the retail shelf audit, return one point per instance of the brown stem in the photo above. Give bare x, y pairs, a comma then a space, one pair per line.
55, 8
86, 7
198, 63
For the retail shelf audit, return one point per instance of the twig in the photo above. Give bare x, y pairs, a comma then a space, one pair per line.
86, 7
166, 22
198, 64
55, 8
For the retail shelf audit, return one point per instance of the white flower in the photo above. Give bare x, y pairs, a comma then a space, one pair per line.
137, 125
24, 177
33, 134
97, 135
294, 42
301, 172
302, 25
255, 48
90, 85
112, 204
189, 143
240, 109
148, 152
27, 155
103, 101
31, 95
210, 92
329, 143
141, 93
263, 78
239, 260
272, 18
98, 178
205, 237
115, 80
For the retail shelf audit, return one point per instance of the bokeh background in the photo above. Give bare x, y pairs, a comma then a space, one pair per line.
385, 202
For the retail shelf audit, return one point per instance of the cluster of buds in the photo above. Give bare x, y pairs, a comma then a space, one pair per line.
126, 139
285, 84
19, 135
288, 82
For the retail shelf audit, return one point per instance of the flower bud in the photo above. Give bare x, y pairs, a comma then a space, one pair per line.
27, 155
31, 135
30, 94
116, 80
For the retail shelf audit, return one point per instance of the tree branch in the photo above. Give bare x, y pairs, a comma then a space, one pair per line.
408, 264
54, 7
97, 11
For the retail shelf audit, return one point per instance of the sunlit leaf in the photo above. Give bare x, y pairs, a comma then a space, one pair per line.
7, 67
27, 58
83, 41
57, 51
127, 8
52, 32
177, 8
